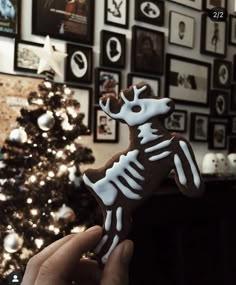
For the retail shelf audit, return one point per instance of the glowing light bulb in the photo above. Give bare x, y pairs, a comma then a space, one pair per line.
2, 197
59, 154
42, 183
34, 212
29, 201
51, 174
78, 229
39, 242
32, 178
45, 135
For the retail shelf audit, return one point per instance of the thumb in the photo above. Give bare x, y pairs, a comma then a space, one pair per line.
116, 271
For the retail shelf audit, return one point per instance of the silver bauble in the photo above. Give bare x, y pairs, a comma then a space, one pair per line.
12, 242
46, 121
18, 135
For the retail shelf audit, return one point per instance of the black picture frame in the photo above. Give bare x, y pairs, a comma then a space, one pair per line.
233, 99
116, 13
198, 127
232, 127
209, 6
181, 29
232, 30
177, 121
64, 20
147, 51
196, 5
218, 131
79, 64
222, 73
219, 103
106, 81
112, 49
213, 40
154, 82
10, 19
105, 129
151, 12
187, 80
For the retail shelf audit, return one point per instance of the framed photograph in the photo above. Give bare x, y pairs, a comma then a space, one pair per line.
222, 73
217, 134
210, 4
106, 81
112, 49
187, 80
147, 55
213, 37
219, 103
198, 127
10, 18
154, 82
233, 99
197, 5
232, 30
233, 125
116, 13
232, 144
181, 29
105, 128
177, 121
66, 20
79, 64
151, 12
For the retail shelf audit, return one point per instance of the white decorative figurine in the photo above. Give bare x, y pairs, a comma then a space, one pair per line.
209, 164
231, 161
222, 163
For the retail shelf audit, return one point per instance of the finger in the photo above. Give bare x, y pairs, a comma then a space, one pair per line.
116, 271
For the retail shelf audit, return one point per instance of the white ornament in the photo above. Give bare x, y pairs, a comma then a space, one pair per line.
209, 164
65, 213
73, 177
18, 135
231, 161
46, 121
12, 242
221, 162
66, 126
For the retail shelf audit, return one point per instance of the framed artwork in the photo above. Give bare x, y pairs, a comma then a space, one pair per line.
79, 64
10, 18
177, 121
233, 99
105, 128
117, 13
219, 103
181, 29
112, 49
198, 127
187, 80
147, 55
154, 82
232, 30
151, 12
106, 81
66, 20
232, 144
233, 125
217, 134
213, 37
197, 5
222, 73
210, 4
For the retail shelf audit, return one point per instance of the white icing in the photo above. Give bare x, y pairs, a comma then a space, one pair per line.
119, 219
160, 156
147, 133
108, 220
101, 244
113, 245
180, 171
134, 172
132, 183
196, 177
149, 108
159, 145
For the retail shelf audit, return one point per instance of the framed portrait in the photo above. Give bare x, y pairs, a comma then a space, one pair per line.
112, 49
105, 128
79, 64
181, 29
217, 134
10, 18
233, 99
106, 81
210, 4
177, 121
232, 144
147, 55
187, 80
198, 127
116, 13
151, 12
219, 103
154, 82
222, 73
66, 20
232, 125
232, 30
197, 5
213, 37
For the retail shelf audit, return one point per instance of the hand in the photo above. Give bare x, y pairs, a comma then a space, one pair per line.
60, 263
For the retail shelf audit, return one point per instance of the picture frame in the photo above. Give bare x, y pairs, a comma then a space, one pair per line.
181, 29
151, 12
232, 125
105, 128
213, 37
218, 130
219, 103
234, 68
210, 4
116, 13
154, 82
187, 80
10, 19
196, 5
79, 64
68, 20
233, 99
232, 30
177, 121
198, 127
222, 73
147, 51
112, 49
106, 81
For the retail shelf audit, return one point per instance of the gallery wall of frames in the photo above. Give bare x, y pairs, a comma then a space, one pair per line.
172, 45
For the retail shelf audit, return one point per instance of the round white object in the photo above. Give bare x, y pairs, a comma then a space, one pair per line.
209, 164
12, 242
46, 121
18, 135
65, 213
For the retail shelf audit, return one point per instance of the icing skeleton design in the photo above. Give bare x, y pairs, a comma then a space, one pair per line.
133, 175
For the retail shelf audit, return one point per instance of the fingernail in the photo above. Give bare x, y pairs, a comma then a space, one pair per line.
127, 252
93, 229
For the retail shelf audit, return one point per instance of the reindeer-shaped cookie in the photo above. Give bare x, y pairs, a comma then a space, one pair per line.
132, 176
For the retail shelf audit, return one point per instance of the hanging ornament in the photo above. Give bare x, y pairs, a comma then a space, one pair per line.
18, 135
46, 121
73, 177
12, 242
66, 126
65, 213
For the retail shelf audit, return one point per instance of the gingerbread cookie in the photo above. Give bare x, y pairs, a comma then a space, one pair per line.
133, 175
